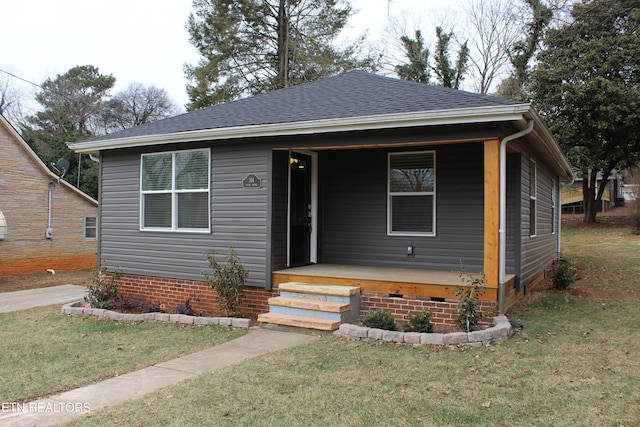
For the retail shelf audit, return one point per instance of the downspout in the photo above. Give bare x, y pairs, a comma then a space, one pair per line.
502, 236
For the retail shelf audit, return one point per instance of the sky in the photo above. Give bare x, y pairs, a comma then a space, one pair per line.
141, 41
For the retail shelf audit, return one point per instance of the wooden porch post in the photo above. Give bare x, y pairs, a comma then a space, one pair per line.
491, 211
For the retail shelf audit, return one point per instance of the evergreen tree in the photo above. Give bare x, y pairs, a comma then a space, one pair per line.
587, 87
249, 47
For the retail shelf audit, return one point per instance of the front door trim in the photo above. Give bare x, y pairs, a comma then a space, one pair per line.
313, 250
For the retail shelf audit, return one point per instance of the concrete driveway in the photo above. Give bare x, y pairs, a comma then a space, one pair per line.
21, 300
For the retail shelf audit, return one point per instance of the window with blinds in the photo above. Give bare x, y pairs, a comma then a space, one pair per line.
411, 195
174, 191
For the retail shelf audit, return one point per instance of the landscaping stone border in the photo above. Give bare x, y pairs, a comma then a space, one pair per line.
78, 309
500, 332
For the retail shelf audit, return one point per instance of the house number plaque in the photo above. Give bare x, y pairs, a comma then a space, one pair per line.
252, 181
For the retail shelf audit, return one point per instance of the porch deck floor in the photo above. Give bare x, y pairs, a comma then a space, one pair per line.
386, 274
406, 281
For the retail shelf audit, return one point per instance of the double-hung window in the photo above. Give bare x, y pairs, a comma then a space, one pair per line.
174, 191
90, 227
554, 196
533, 198
412, 194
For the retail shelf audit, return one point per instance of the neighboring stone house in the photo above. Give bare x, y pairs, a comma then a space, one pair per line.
48, 223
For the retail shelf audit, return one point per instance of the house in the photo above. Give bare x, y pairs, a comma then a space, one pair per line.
48, 223
357, 180
572, 198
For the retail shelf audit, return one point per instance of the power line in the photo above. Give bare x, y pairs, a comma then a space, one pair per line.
20, 78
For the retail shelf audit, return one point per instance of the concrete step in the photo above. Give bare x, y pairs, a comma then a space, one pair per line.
299, 321
309, 304
297, 287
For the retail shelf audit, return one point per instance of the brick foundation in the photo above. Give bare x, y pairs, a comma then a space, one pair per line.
170, 293
443, 313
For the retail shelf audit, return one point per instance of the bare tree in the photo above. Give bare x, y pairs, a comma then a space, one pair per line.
136, 105
11, 96
493, 28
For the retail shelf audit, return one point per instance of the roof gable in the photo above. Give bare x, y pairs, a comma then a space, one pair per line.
39, 165
353, 94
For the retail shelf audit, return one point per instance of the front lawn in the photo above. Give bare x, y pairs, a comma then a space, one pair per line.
576, 362
44, 352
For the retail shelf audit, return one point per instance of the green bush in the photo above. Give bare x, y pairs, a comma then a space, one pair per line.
380, 319
227, 280
419, 322
102, 292
467, 318
563, 274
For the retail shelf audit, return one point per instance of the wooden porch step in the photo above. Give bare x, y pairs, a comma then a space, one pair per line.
299, 321
309, 304
342, 291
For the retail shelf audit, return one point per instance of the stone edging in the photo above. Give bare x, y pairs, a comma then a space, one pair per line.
500, 332
77, 309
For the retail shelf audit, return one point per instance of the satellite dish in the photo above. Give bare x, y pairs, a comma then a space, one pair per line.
63, 165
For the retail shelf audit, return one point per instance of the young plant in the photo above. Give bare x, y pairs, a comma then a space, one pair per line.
468, 294
563, 274
102, 292
380, 319
419, 322
227, 280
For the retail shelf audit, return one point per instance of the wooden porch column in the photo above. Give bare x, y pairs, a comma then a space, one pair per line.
491, 211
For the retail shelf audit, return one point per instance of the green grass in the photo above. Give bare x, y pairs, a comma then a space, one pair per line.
610, 257
576, 363
50, 352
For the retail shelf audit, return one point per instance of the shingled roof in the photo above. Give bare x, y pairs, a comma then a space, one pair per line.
353, 94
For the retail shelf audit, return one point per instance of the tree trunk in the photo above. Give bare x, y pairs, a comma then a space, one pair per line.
283, 44
592, 199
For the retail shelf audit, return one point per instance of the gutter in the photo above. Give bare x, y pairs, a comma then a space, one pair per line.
310, 127
502, 251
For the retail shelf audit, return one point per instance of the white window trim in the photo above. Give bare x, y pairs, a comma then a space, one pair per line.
174, 205
533, 197
93, 227
554, 207
390, 232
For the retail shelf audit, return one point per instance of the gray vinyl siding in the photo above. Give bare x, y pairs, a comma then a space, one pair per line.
238, 219
353, 208
540, 250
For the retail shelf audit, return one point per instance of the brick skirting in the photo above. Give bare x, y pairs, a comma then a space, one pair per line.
170, 293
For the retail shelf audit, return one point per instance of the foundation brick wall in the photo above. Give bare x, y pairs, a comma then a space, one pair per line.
443, 313
170, 293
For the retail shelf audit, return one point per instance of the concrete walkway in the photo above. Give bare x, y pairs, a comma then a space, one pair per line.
22, 300
75, 403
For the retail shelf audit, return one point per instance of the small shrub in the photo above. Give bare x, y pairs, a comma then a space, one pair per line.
185, 308
419, 322
380, 319
227, 280
563, 274
467, 318
102, 292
